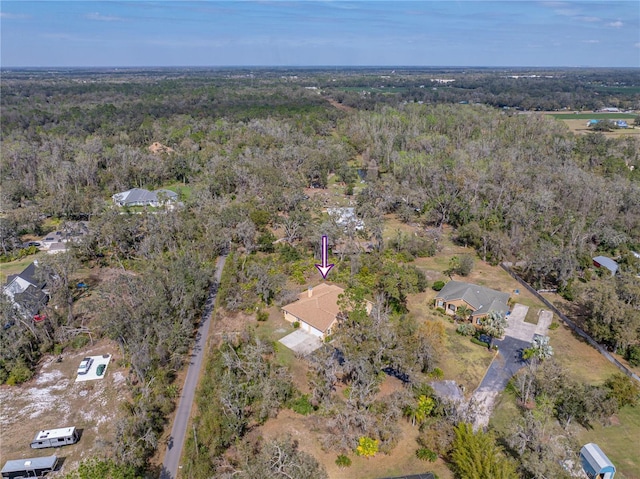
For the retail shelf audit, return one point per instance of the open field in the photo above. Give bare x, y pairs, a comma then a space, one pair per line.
579, 127
577, 122
618, 440
592, 116
53, 399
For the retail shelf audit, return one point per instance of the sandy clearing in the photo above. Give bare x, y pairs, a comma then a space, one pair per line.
52, 399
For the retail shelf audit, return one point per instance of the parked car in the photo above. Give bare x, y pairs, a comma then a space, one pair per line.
100, 370
85, 365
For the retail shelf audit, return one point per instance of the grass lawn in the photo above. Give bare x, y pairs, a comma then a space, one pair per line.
15, 267
581, 360
459, 358
620, 441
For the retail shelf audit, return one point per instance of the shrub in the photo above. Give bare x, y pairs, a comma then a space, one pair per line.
262, 315
296, 324
437, 373
302, 405
441, 311
343, 461
623, 389
633, 355
479, 343
554, 325
367, 447
438, 285
425, 454
79, 341
466, 329
19, 374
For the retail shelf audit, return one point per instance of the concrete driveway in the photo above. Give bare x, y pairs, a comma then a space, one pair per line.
301, 342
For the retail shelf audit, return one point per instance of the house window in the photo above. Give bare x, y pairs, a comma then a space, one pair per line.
478, 320
440, 304
452, 307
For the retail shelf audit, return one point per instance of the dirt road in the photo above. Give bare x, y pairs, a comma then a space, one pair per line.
176, 440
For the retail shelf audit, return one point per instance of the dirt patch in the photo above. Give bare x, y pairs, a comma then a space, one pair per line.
159, 148
340, 106
306, 430
52, 399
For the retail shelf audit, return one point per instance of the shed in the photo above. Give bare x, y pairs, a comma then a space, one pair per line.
595, 463
604, 262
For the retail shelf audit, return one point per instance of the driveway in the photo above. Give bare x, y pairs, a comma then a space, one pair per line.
518, 336
175, 443
506, 363
301, 342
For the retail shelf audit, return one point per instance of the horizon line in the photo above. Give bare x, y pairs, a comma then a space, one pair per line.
129, 67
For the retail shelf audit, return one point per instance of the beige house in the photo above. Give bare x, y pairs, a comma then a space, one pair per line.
316, 310
479, 300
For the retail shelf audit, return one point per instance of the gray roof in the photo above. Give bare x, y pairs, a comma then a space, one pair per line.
17, 465
608, 263
140, 195
483, 300
27, 291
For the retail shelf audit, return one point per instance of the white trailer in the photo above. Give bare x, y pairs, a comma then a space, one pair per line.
35, 467
55, 438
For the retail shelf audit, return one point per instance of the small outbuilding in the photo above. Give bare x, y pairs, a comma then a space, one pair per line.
595, 463
604, 262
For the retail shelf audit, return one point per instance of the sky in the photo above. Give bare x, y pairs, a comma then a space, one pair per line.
141, 33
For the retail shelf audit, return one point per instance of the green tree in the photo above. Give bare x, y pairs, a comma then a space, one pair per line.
420, 410
102, 469
624, 389
494, 324
477, 456
367, 447
540, 349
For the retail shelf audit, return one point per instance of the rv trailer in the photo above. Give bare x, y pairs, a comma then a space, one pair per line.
36, 467
55, 438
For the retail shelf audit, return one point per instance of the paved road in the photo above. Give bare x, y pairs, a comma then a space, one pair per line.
178, 432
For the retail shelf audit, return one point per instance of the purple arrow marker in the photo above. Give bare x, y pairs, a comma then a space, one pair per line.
324, 268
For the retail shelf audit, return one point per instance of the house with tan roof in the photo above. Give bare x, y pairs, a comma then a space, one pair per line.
316, 310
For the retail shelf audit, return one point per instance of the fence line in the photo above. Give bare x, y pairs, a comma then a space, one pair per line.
571, 324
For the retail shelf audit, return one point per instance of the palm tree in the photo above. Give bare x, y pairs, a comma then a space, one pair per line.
463, 312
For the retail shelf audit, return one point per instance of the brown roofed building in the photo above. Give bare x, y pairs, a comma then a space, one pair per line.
316, 309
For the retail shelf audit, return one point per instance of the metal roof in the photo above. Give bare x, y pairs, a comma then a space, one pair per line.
17, 465
608, 263
594, 460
